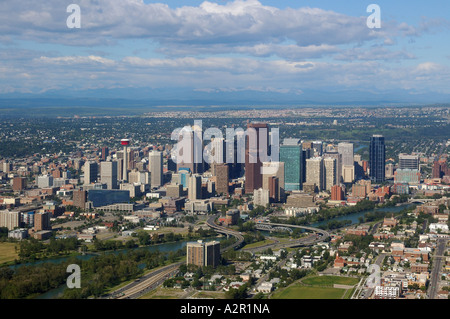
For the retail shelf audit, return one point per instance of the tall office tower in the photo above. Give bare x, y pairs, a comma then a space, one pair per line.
406, 161
90, 172
329, 173
203, 254
125, 142
42, 221
156, 168
291, 154
222, 173
192, 151
337, 193
377, 158
314, 172
19, 183
346, 150
195, 187
274, 169
338, 158
105, 153
108, 174
254, 146
9, 219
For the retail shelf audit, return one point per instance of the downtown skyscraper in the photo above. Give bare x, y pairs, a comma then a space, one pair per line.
377, 158
254, 146
291, 153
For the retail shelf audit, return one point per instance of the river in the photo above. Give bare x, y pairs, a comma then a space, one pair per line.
57, 292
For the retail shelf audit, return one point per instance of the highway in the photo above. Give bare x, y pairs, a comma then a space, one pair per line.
145, 283
223, 230
438, 258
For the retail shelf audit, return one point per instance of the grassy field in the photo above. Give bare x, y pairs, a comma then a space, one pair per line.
330, 281
8, 252
303, 292
163, 293
318, 287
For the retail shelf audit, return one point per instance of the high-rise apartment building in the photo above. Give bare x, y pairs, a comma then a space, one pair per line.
42, 221
337, 193
10, 219
79, 198
338, 157
19, 183
329, 173
203, 254
377, 158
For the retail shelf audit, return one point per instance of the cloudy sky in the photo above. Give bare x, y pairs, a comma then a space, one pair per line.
278, 48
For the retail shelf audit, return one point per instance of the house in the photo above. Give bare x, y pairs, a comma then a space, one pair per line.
265, 287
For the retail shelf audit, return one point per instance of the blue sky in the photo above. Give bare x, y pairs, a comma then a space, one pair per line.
284, 50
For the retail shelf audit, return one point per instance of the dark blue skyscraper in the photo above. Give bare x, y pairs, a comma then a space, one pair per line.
377, 158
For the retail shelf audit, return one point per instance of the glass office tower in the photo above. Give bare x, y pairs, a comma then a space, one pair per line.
377, 158
291, 153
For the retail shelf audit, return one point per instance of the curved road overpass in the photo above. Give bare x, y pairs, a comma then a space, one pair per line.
223, 230
323, 235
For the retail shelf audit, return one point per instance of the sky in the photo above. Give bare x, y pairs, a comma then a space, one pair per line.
316, 51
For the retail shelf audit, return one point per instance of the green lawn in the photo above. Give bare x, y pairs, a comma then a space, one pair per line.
303, 292
330, 281
317, 287
8, 252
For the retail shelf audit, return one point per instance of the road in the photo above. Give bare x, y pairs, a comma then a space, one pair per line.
145, 283
438, 259
220, 229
